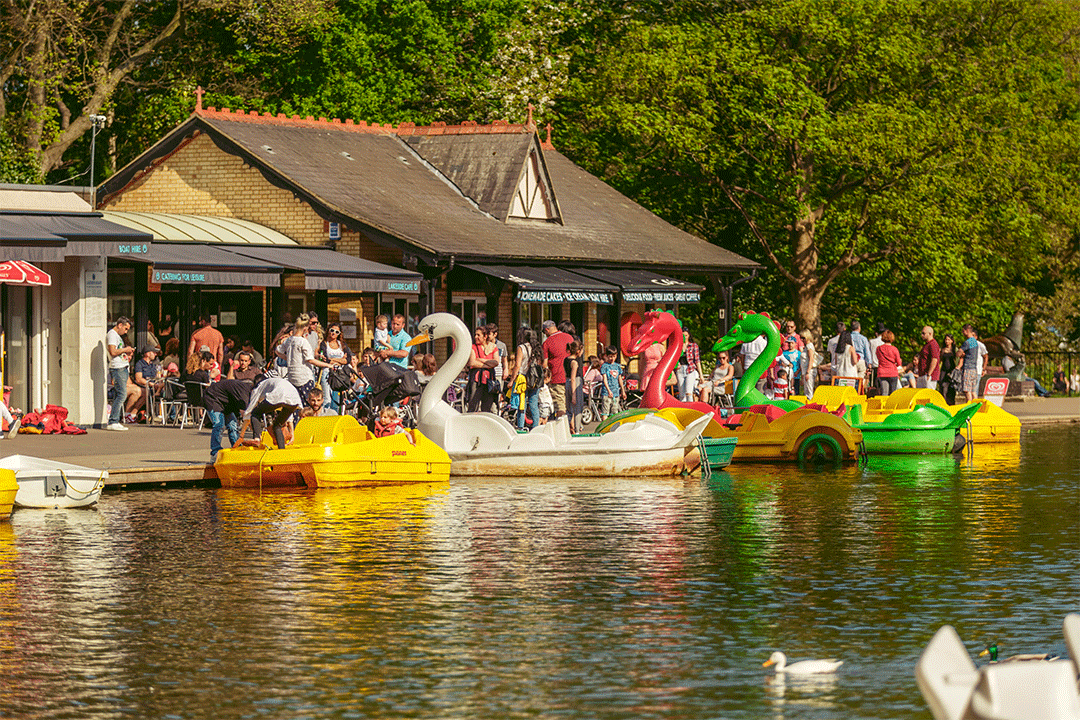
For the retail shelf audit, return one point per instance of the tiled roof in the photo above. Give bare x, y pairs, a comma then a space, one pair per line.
444, 191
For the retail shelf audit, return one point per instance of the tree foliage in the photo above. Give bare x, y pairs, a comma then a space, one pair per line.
878, 152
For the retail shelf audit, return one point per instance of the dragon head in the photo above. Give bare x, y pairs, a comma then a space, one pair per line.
748, 327
657, 327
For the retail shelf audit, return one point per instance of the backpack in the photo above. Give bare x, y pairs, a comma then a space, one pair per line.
534, 375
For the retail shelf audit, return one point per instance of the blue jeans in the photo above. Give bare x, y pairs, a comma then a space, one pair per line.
220, 421
687, 383
532, 406
118, 378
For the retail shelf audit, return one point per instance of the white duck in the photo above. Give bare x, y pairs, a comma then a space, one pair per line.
486, 444
802, 667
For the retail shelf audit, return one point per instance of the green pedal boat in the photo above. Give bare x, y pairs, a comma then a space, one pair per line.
928, 429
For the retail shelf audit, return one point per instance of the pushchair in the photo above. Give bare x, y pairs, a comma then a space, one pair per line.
378, 386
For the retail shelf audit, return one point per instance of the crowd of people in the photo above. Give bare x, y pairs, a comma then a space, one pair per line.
547, 375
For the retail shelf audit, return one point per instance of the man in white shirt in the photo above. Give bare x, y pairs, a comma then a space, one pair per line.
750, 352
119, 358
273, 395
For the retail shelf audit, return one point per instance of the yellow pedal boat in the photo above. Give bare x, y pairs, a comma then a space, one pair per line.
802, 435
9, 488
990, 424
335, 452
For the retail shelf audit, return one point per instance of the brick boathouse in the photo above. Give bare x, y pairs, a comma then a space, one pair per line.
485, 221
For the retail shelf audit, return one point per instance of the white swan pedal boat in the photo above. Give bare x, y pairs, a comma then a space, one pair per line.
54, 484
486, 444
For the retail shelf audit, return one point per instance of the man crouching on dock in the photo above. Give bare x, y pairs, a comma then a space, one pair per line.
273, 395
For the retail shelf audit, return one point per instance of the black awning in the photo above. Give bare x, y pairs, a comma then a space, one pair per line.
197, 264
326, 269
550, 284
646, 286
86, 234
20, 240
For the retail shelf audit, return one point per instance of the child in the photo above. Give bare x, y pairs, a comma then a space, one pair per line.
543, 399
388, 423
780, 385
382, 335
614, 387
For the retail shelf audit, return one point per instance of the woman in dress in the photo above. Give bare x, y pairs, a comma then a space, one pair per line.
889, 363
947, 384
575, 385
335, 353
482, 361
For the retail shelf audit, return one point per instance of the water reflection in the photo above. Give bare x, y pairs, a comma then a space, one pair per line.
518, 597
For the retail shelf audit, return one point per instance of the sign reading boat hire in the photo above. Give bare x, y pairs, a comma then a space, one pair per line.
561, 296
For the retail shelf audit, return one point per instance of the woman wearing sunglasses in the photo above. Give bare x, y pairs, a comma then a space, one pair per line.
334, 351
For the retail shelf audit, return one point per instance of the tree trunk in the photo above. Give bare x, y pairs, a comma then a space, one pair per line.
804, 285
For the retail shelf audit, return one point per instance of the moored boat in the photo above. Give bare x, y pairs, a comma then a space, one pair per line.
335, 452
486, 444
53, 484
9, 487
927, 429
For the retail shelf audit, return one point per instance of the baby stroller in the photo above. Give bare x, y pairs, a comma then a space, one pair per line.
381, 385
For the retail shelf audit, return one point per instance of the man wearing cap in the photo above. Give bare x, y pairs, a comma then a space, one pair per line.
208, 337
554, 354
119, 359
140, 387
225, 401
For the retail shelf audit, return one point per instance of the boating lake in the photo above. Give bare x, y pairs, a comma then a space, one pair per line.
519, 597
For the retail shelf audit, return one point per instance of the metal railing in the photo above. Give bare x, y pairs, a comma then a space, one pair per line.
1042, 365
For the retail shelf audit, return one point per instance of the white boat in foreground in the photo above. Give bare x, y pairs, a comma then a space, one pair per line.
485, 444
54, 484
955, 689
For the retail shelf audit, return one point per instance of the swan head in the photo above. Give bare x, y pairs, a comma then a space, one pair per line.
437, 326
778, 659
748, 327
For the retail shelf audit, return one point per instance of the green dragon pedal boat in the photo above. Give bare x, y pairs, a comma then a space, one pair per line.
928, 429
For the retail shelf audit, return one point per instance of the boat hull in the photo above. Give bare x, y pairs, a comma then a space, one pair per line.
798, 436
335, 453
991, 424
9, 487
52, 484
667, 462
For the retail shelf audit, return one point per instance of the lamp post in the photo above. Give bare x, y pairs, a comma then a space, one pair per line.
96, 123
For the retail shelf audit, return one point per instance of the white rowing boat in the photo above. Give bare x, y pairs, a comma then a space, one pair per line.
54, 484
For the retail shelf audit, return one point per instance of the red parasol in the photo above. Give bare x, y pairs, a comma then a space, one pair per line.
20, 272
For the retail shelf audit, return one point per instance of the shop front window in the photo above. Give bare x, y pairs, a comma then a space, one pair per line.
472, 311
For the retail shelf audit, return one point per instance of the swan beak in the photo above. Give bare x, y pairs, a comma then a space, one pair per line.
419, 340
984, 652
767, 663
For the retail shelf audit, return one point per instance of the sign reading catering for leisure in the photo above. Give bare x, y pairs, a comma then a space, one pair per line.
561, 296
175, 277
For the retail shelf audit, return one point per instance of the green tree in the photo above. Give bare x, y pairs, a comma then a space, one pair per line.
62, 62
929, 146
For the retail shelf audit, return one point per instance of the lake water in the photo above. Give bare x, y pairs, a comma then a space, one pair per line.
513, 598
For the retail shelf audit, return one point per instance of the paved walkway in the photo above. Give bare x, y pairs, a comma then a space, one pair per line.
154, 454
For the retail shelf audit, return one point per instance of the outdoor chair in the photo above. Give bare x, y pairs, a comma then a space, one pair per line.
173, 406
193, 405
